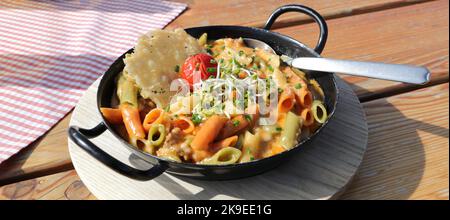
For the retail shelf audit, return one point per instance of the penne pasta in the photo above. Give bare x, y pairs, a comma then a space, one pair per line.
315, 85
143, 144
304, 97
225, 156
202, 40
155, 116
294, 80
272, 59
253, 115
112, 115
286, 101
319, 111
157, 134
199, 155
291, 128
132, 121
307, 115
227, 142
127, 91
250, 147
276, 149
208, 132
233, 126
168, 153
184, 123
300, 74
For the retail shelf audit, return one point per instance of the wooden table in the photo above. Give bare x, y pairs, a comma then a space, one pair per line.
408, 152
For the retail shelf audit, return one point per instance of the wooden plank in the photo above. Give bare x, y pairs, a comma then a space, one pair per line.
50, 154
47, 155
64, 185
256, 13
416, 35
407, 156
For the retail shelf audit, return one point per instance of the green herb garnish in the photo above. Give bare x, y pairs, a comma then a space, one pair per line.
235, 123
196, 119
211, 69
278, 129
280, 90
177, 68
241, 53
270, 68
298, 86
248, 117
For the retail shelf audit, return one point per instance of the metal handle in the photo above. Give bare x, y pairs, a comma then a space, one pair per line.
80, 137
394, 72
308, 11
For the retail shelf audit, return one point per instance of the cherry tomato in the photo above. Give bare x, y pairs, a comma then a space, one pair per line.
202, 64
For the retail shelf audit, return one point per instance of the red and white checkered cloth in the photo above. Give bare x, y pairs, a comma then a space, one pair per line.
51, 51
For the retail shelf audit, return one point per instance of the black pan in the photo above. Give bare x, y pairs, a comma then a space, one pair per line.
280, 43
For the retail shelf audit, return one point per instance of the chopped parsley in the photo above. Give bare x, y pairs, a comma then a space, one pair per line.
280, 90
177, 68
211, 69
241, 53
235, 62
248, 117
270, 68
278, 129
252, 158
236, 123
196, 119
298, 86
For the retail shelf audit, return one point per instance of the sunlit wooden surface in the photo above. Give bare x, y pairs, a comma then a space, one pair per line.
407, 155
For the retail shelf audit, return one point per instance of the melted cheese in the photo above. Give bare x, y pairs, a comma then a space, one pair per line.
153, 63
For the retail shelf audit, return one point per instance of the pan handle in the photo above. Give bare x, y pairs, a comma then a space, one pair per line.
81, 137
305, 10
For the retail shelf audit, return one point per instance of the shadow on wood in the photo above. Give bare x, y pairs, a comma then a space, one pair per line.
395, 159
